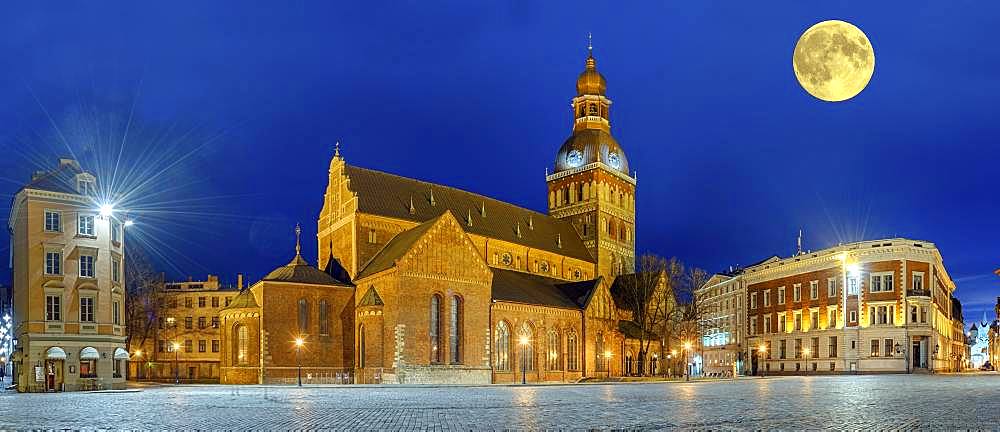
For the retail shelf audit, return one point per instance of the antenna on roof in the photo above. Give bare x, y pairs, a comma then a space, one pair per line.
799, 251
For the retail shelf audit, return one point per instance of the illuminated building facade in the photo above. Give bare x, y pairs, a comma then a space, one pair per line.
882, 306
185, 341
423, 283
723, 300
68, 260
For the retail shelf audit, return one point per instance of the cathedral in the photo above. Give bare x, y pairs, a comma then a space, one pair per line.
423, 283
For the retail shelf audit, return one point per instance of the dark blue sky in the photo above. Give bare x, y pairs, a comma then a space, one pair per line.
235, 109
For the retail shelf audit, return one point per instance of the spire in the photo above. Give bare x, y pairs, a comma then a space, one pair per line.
468, 218
482, 211
559, 241
518, 229
298, 246
336, 149
412, 208
531, 223
433, 203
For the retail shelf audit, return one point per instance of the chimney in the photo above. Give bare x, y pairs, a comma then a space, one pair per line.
239, 280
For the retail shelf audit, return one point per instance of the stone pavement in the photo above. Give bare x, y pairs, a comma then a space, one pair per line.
885, 402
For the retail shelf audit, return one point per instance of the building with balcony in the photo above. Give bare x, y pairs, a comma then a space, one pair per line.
881, 306
723, 298
67, 258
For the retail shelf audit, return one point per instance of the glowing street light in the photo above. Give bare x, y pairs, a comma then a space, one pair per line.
687, 367
523, 341
761, 352
805, 353
107, 210
298, 360
607, 362
177, 365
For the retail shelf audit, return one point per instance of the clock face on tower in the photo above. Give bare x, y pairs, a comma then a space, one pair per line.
574, 158
614, 161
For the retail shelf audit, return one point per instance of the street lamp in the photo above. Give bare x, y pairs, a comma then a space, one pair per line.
761, 351
177, 365
138, 366
607, 362
523, 341
687, 367
805, 353
298, 360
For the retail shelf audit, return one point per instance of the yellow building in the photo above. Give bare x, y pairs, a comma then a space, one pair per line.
68, 284
185, 343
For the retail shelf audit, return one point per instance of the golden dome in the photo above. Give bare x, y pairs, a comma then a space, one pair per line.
591, 81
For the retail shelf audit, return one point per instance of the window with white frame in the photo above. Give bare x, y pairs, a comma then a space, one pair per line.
767, 324
854, 316
831, 317
86, 309
852, 286
53, 221
53, 262
781, 295
881, 282
116, 265
831, 287
798, 321
918, 281
116, 228
86, 266
814, 319
753, 300
813, 290
85, 225
53, 307
782, 325
796, 292
85, 186
767, 298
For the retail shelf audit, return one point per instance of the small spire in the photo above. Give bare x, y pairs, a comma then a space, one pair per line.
517, 227
336, 149
559, 241
412, 208
482, 210
298, 246
531, 223
590, 44
468, 218
433, 203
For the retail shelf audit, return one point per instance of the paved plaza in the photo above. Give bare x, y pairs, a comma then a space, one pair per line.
838, 402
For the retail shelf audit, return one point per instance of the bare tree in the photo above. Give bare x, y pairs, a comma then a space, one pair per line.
645, 296
143, 301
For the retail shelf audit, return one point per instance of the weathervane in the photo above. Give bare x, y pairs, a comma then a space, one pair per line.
590, 42
298, 232
336, 149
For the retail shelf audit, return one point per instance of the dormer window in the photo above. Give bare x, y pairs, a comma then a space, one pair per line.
85, 184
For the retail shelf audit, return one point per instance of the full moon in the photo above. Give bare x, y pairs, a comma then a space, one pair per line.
833, 60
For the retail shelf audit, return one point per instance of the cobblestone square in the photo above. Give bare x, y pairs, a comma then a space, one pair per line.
910, 402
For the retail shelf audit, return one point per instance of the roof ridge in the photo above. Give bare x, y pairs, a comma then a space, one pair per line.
497, 200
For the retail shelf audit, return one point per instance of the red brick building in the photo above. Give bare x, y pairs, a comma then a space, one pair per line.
424, 283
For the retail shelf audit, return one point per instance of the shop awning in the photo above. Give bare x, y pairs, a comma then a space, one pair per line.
89, 353
55, 353
121, 354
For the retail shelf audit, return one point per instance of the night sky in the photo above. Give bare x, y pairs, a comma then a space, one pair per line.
222, 118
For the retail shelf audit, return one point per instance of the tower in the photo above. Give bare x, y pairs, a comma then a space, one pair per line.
591, 186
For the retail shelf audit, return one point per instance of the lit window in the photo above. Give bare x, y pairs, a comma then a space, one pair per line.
571, 352
503, 347
552, 357
527, 349
242, 345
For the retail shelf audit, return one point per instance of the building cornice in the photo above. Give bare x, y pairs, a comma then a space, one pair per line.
588, 167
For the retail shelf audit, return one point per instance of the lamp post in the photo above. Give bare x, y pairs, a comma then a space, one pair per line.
177, 365
607, 362
298, 359
805, 353
761, 351
138, 366
523, 341
687, 367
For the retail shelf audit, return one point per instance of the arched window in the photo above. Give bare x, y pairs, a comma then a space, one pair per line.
435, 329
599, 352
303, 316
361, 346
455, 335
503, 347
525, 342
553, 358
242, 345
572, 352
628, 362
324, 318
